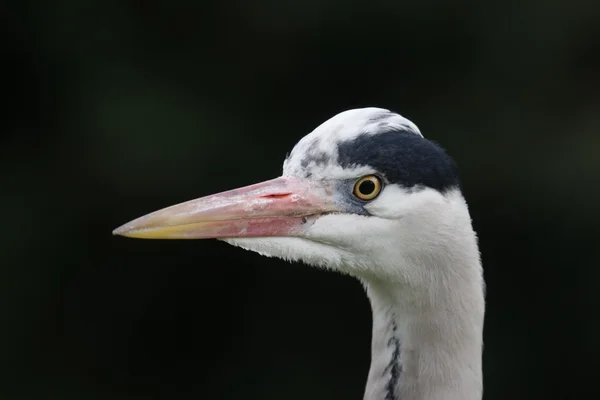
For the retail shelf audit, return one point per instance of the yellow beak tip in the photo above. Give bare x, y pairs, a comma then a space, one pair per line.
127, 232
123, 233
164, 232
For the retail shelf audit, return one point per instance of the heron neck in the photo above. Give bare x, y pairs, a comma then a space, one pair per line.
423, 352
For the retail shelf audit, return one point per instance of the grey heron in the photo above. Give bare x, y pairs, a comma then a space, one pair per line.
367, 195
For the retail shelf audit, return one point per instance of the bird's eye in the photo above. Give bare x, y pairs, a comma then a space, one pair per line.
367, 187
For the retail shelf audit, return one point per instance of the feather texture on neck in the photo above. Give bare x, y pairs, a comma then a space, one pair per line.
426, 347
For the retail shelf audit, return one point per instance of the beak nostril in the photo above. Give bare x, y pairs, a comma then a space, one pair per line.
276, 196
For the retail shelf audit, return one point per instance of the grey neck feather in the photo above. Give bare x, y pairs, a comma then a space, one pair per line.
421, 352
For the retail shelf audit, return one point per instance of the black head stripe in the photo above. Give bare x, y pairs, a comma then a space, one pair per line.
402, 157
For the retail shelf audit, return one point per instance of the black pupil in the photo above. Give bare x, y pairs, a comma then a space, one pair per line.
366, 187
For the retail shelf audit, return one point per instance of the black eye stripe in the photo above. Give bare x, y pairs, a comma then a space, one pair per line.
401, 157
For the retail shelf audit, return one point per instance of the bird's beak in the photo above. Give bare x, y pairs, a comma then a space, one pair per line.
279, 207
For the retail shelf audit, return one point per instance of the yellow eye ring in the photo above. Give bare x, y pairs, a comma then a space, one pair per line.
367, 187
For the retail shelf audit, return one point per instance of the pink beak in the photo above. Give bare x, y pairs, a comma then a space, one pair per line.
279, 207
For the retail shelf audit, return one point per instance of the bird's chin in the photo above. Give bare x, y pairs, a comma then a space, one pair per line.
292, 249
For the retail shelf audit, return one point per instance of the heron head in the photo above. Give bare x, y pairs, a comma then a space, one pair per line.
362, 190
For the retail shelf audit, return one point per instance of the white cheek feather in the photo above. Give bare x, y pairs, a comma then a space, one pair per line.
402, 226
395, 202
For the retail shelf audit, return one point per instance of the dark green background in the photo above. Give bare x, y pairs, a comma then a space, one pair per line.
113, 109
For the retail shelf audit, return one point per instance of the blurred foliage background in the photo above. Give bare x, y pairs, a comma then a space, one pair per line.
113, 109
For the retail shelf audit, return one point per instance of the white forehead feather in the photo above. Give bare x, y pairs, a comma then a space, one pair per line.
345, 126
